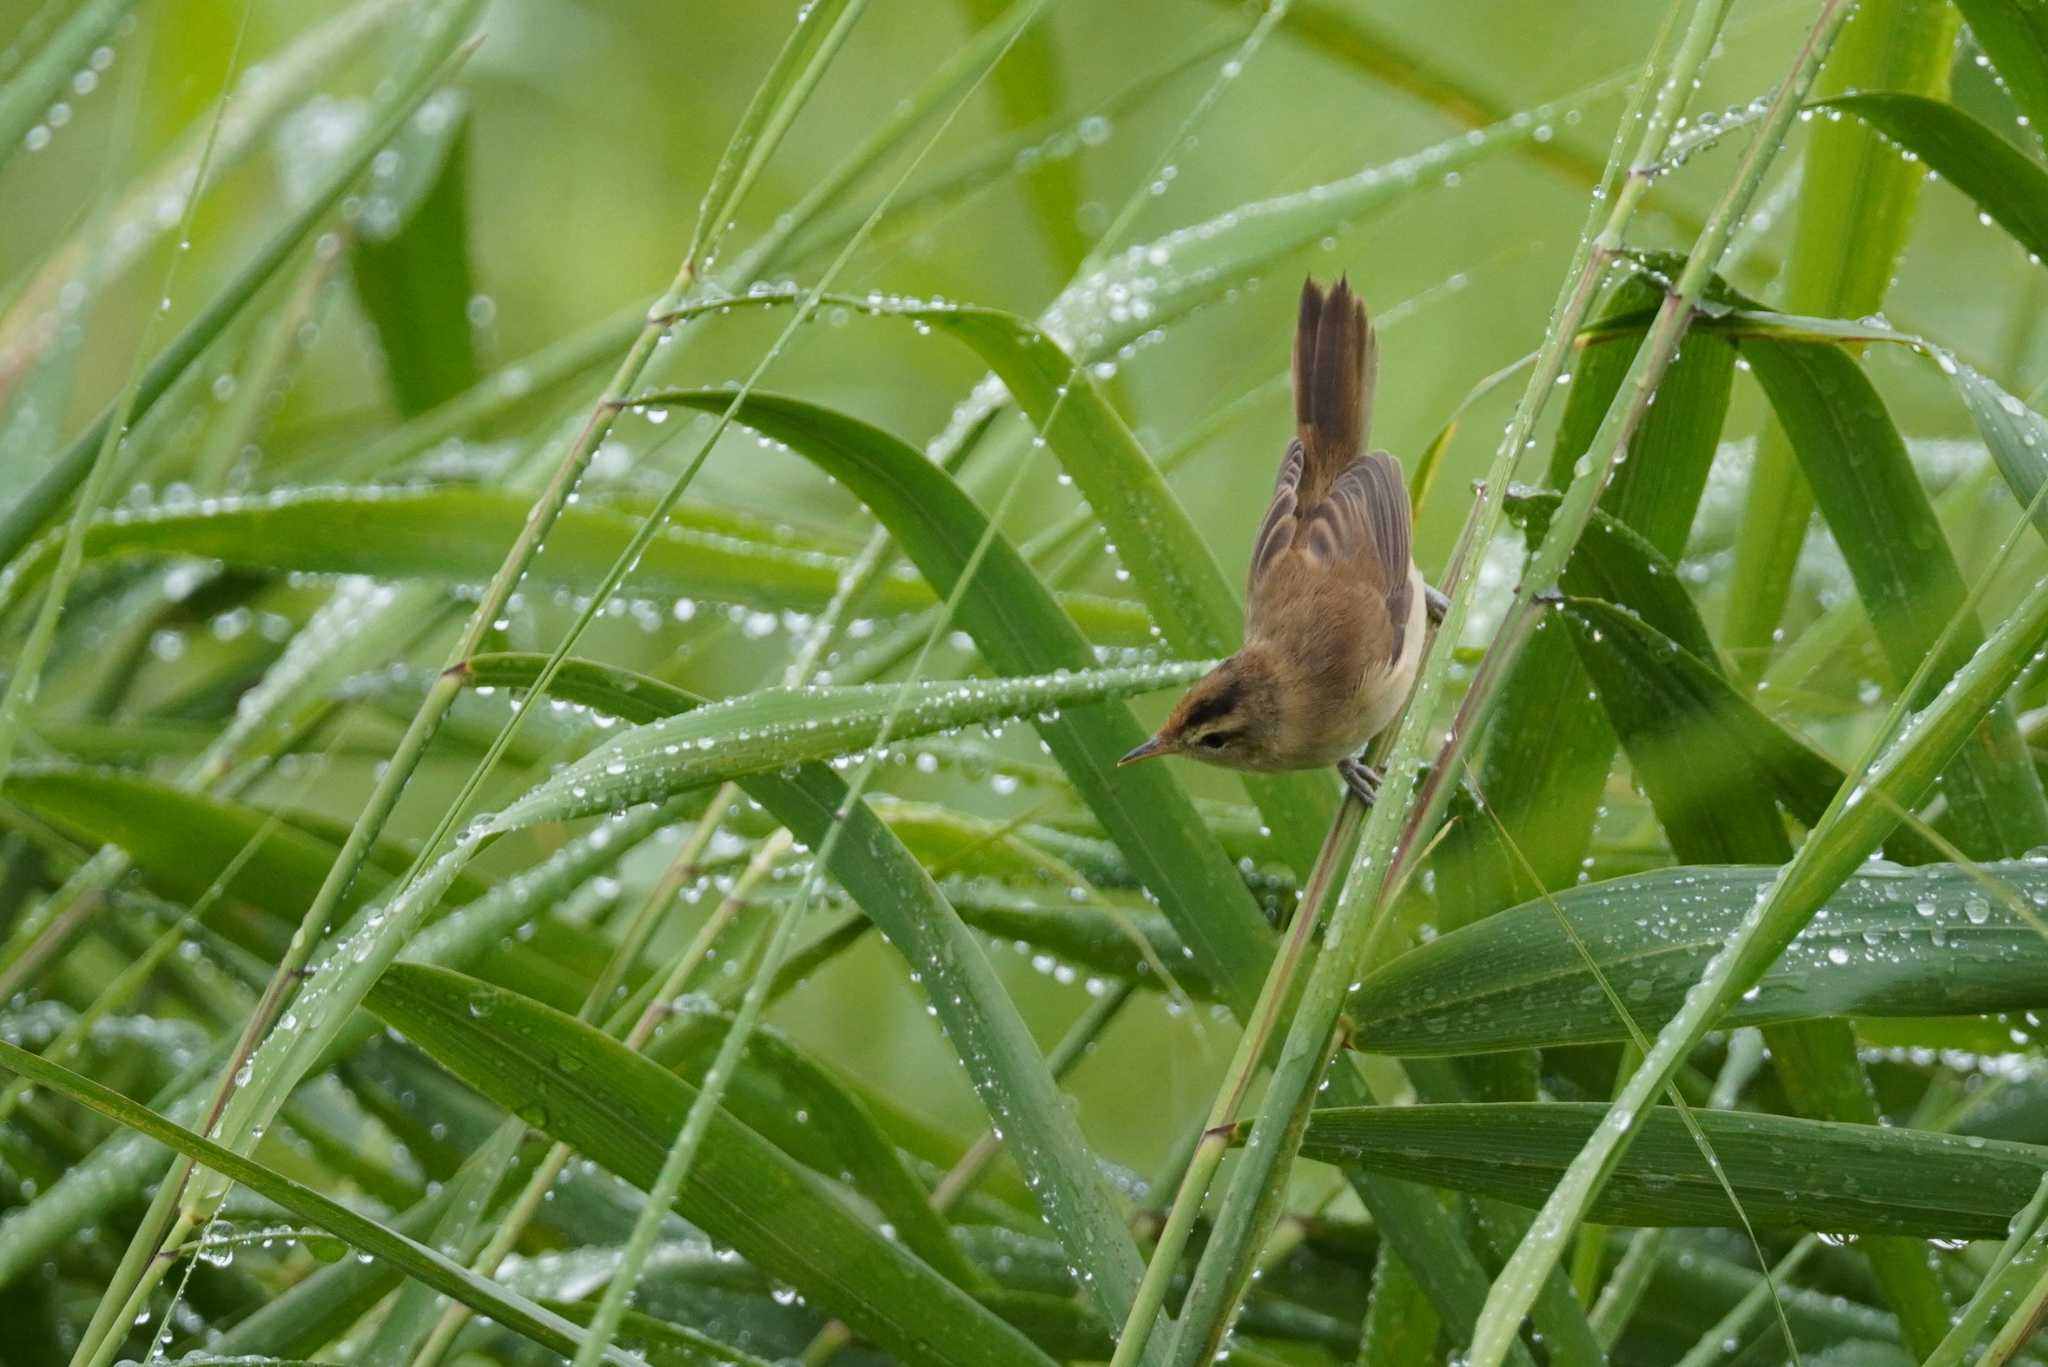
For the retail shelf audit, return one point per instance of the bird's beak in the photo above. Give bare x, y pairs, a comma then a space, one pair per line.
1154, 746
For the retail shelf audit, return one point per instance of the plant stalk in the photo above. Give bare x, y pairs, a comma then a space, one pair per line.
1220, 1126
1384, 859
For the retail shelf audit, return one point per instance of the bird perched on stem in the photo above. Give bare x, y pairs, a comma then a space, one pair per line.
1335, 610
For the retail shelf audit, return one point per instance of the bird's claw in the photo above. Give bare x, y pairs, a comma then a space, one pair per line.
1435, 604
1361, 779
1550, 598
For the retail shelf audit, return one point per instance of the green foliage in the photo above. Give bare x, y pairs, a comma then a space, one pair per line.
936, 460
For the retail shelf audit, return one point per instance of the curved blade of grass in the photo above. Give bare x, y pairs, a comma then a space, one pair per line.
1020, 629
978, 1016
821, 29
1102, 943
618, 1109
1550, 748
2007, 184
1659, 692
450, 1278
1900, 773
802, 1105
1173, 568
1865, 484
409, 262
181, 839
1710, 763
2016, 435
2014, 35
1856, 203
1910, 943
434, 62
774, 727
1806, 1174
455, 533
28, 93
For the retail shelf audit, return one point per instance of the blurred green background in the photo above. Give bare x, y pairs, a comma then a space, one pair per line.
594, 128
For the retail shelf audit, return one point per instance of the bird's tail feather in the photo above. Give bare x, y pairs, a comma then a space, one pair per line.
1336, 364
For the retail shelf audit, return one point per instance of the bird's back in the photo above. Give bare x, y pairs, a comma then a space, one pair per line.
1331, 597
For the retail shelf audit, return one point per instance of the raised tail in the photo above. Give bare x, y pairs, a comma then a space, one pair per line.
1336, 364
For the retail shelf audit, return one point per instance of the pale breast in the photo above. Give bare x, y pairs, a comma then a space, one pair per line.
1384, 688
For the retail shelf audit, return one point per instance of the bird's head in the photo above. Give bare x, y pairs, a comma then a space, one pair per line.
1229, 716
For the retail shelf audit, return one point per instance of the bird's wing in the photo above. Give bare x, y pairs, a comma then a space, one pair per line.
1357, 534
1276, 533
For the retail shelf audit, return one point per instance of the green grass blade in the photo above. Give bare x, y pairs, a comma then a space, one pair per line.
2007, 184
1802, 1174
1850, 177
28, 93
1856, 464
2014, 35
410, 260
456, 534
434, 63
821, 29
1659, 693
618, 1109
513, 1311
1021, 630
1711, 764
771, 728
2016, 435
1909, 943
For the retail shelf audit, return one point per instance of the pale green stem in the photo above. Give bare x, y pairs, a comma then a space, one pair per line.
1220, 1126
1221, 1275
1731, 1326
2016, 1263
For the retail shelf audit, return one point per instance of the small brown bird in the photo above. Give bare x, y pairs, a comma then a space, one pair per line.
1334, 608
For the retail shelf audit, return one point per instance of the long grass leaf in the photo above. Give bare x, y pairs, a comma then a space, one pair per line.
577, 1084
2008, 185
1019, 629
513, 1311
433, 65
1806, 1174
1856, 203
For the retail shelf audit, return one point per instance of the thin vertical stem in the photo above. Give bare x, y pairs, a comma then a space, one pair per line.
1219, 1127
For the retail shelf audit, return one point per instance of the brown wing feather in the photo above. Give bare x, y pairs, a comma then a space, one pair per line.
1276, 533
1358, 535
1363, 528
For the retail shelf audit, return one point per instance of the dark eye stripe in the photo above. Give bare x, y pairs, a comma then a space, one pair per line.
1217, 704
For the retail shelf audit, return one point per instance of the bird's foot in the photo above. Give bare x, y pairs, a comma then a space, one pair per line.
1435, 604
1361, 779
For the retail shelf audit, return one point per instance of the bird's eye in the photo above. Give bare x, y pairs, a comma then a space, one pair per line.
1215, 740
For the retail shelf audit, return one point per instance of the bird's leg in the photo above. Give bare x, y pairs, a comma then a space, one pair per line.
1435, 604
1361, 778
